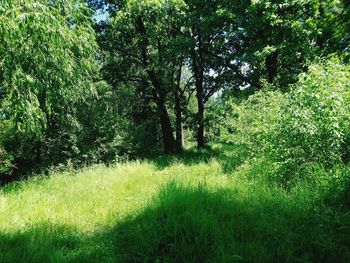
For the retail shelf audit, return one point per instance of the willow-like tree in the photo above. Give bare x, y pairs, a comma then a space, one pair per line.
47, 59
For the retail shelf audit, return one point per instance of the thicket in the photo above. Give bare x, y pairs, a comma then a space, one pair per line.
302, 134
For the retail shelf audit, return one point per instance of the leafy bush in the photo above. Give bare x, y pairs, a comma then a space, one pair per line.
248, 126
314, 128
258, 119
6, 158
333, 185
5, 161
299, 130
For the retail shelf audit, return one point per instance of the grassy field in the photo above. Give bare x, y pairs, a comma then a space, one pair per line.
186, 209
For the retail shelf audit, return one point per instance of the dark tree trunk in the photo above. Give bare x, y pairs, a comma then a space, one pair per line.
198, 72
158, 93
159, 98
180, 141
199, 78
167, 131
271, 66
200, 128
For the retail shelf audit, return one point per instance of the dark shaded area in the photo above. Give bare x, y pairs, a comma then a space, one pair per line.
14, 178
194, 224
229, 155
187, 157
21, 175
5, 179
48, 242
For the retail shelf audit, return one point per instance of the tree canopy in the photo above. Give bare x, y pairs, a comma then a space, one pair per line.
48, 60
153, 71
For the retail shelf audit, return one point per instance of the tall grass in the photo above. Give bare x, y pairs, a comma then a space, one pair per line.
185, 209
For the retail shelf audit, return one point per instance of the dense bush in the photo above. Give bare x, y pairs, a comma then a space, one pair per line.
248, 126
257, 120
306, 127
314, 128
5, 161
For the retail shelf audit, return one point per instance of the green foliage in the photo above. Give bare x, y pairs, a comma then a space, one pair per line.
47, 60
40, 49
315, 123
276, 39
333, 185
102, 122
333, 27
247, 126
6, 160
257, 120
309, 126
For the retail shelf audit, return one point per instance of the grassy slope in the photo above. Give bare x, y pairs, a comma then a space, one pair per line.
163, 210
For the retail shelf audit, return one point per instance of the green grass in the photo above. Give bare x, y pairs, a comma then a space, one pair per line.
184, 209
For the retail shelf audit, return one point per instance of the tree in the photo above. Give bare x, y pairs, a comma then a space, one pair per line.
334, 27
278, 39
140, 45
209, 27
47, 63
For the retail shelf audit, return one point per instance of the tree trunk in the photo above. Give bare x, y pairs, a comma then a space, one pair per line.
198, 72
180, 142
200, 105
271, 66
167, 131
200, 128
158, 92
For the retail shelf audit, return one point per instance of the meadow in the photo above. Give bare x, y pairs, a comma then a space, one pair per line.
168, 209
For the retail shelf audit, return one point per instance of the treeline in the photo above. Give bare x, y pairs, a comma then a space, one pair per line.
146, 76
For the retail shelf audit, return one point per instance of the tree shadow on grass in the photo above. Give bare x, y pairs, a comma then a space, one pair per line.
186, 224
192, 224
188, 157
229, 155
47, 242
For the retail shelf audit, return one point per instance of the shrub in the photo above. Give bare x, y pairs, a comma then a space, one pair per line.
296, 131
250, 125
314, 128
258, 119
6, 158
5, 162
